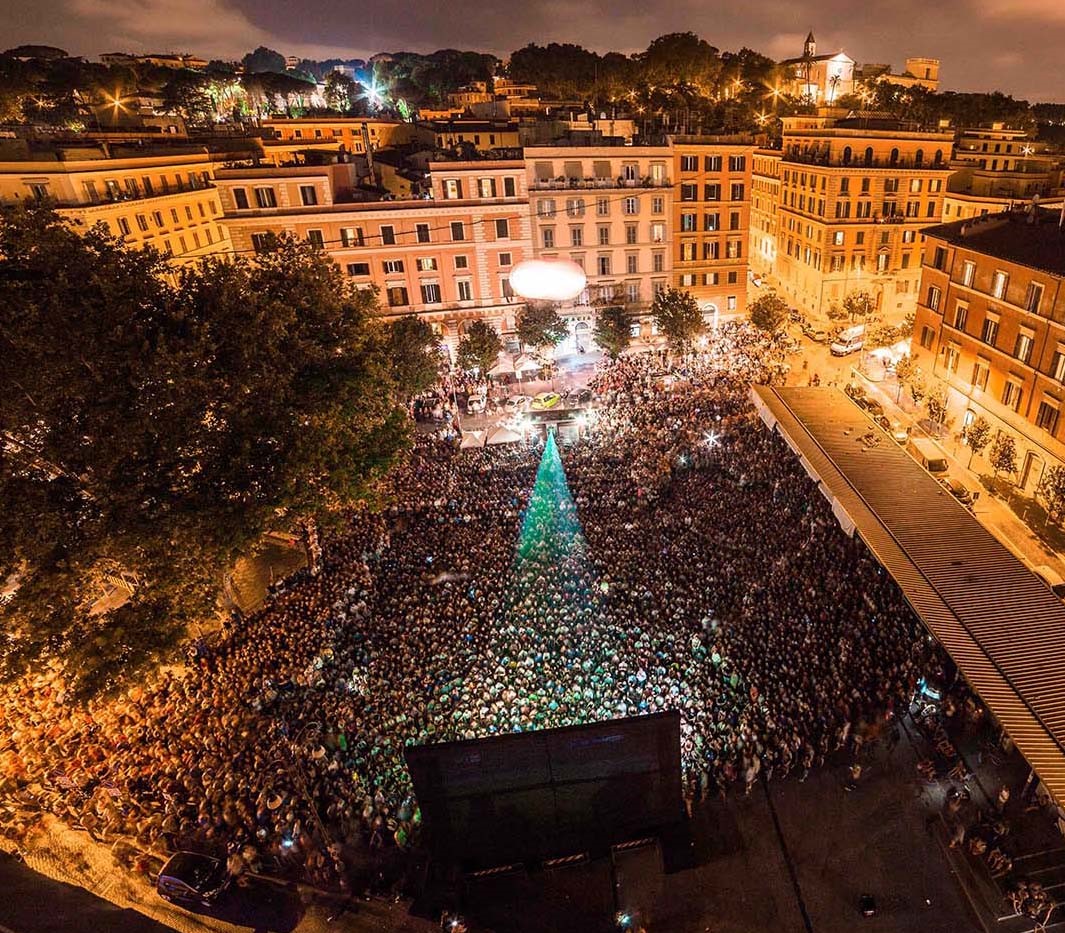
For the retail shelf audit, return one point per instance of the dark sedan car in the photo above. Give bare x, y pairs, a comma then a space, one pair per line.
189, 878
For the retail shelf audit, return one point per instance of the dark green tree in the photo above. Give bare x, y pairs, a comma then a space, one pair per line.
160, 428
859, 305
613, 329
1003, 456
414, 352
187, 93
678, 317
340, 91
1051, 490
263, 59
540, 326
769, 312
977, 436
480, 347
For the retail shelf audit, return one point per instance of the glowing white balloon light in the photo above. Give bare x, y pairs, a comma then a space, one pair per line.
548, 279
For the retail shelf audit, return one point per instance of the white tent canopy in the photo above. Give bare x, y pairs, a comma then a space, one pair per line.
504, 367
472, 439
526, 363
504, 435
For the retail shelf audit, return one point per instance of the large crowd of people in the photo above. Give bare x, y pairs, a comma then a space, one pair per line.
674, 556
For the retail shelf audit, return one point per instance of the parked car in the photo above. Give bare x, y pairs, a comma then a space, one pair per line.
578, 396
517, 403
899, 432
875, 409
856, 392
959, 491
815, 333
189, 878
476, 404
545, 401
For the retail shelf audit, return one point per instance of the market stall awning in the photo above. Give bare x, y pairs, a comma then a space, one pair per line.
1001, 625
504, 435
472, 439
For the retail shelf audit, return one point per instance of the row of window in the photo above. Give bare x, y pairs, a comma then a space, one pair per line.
865, 183
999, 285
158, 220
483, 188
1012, 395
838, 237
353, 237
693, 279
711, 250
711, 221
575, 207
712, 191
712, 163
576, 235
862, 210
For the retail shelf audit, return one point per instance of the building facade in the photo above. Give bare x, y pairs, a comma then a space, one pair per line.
854, 195
711, 221
995, 167
765, 199
447, 259
990, 326
818, 79
610, 210
352, 133
165, 197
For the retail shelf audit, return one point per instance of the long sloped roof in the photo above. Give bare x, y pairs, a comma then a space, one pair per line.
1004, 629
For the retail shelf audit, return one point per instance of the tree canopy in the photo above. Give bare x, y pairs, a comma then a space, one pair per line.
479, 347
613, 329
769, 312
677, 316
160, 427
540, 326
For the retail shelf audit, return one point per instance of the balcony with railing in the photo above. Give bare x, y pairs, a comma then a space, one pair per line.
562, 183
828, 160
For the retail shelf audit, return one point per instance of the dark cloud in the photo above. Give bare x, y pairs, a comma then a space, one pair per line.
1009, 45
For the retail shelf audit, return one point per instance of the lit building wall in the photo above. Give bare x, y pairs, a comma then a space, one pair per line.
991, 327
609, 209
447, 260
851, 207
765, 199
711, 222
165, 201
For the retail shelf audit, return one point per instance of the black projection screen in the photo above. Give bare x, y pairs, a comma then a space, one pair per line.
529, 796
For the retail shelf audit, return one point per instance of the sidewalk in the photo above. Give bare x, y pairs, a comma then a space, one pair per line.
992, 512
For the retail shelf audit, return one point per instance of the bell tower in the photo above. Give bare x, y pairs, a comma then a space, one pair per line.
809, 49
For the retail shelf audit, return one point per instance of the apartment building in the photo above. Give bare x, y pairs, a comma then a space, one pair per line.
480, 134
997, 166
765, 198
610, 210
854, 196
353, 133
711, 221
163, 197
990, 325
447, 259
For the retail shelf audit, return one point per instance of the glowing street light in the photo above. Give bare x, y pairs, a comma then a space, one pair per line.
548, 279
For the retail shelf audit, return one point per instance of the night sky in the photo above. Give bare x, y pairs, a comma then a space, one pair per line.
1017, 46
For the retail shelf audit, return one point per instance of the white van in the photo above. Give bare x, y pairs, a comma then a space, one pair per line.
929, 454
849, 340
